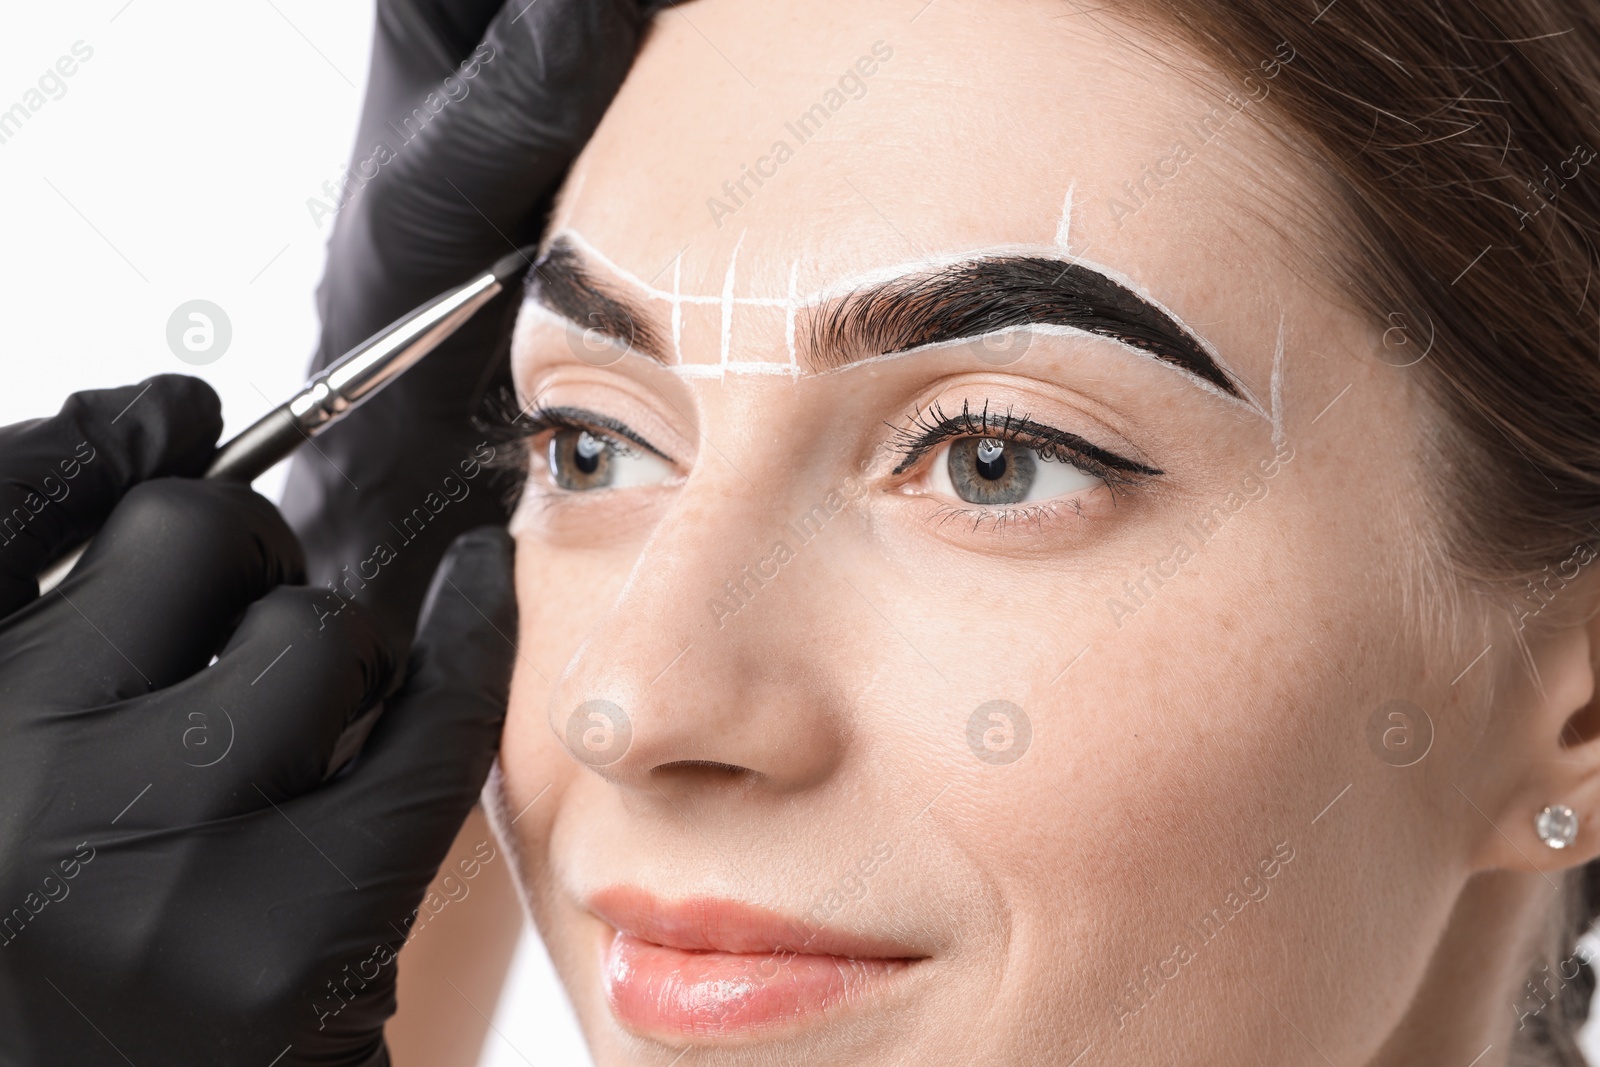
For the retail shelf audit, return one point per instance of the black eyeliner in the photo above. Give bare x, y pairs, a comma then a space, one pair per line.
542, 418
936, 428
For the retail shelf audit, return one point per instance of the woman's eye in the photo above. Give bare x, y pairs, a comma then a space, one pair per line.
581, 460
995, 471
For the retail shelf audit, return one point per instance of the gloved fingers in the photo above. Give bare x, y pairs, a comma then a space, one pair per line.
262, 724
401, 804
456, 182
159, 590
61, 476
495, 138
421, 488
415, 44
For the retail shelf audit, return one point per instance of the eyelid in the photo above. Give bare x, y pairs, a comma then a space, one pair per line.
542, 418
937, 428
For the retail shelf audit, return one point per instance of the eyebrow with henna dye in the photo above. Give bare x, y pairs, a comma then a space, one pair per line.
988, 294
894, 312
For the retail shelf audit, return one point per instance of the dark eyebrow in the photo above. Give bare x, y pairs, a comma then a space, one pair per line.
979, 296
559, 281
962, 300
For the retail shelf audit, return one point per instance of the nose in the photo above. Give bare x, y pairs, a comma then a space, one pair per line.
707, 671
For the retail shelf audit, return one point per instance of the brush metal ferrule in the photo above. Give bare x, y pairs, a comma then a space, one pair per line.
341, 388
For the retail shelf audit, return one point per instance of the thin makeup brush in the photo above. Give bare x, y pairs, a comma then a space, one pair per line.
343, 386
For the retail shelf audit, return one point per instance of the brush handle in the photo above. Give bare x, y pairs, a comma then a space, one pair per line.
345, 384
263, 443
339, 389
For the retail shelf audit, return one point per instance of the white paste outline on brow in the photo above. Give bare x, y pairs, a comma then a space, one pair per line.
1277, 389
727, 300
854, 282
1064, 227
677, 308
532, 311
1044, 329
788, 318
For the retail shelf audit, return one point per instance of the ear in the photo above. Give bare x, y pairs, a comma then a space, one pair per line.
1551, 717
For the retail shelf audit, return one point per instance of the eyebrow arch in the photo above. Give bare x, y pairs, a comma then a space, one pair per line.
959, 300
968, 299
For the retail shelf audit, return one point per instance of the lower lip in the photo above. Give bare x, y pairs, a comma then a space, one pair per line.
656, 990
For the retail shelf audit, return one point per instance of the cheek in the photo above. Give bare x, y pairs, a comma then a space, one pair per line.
1220, 724
560, 597
1211, 727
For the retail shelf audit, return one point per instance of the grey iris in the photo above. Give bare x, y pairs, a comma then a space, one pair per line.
987, 470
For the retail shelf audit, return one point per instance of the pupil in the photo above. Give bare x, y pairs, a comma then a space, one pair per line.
586, 454
991, 457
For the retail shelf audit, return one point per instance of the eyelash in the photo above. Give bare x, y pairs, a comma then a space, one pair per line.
522, 427
930, 427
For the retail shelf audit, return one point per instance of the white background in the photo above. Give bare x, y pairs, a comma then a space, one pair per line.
176, 167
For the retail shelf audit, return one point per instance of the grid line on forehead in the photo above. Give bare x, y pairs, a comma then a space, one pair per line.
894, 311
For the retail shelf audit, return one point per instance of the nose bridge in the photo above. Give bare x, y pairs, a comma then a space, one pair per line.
697, 660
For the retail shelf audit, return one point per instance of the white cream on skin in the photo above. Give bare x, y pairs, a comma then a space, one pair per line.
792, 302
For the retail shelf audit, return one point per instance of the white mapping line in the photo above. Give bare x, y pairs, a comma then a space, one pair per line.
788, 318
1050, 329
727, 299
677, 309
533, 311
578, 240
851, 283
1064, 227
1277, 388
738, 366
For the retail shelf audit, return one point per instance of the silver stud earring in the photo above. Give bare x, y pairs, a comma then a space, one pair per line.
1557, 826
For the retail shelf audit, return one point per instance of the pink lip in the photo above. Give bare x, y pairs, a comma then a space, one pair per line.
705, 967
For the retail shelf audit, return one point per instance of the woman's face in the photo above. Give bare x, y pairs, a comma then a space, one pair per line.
893, 692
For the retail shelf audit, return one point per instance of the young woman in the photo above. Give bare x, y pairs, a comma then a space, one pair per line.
1065, 535
1050, 535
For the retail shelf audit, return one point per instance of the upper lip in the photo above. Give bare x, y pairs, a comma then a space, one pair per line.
711, 924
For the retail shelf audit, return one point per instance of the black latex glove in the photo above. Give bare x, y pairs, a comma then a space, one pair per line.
180, 881
442, 185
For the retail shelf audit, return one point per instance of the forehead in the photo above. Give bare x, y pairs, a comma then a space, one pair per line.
828, 138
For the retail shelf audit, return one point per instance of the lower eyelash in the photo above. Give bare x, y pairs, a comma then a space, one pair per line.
513, 429
1001, 518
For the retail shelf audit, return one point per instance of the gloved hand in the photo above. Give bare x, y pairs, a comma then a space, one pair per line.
181, 882
474, 111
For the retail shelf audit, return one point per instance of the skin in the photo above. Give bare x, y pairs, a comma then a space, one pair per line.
1175, 749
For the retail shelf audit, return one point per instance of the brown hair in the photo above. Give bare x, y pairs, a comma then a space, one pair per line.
1458, 139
